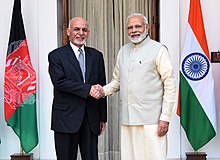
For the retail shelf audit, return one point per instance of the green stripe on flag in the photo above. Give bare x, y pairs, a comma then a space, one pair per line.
194, 120
24, 124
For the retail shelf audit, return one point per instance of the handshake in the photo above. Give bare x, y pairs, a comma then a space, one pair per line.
97, 91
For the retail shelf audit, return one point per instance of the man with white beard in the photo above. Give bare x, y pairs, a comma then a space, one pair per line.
145, 78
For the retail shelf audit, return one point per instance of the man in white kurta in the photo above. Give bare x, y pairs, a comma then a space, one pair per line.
143, 73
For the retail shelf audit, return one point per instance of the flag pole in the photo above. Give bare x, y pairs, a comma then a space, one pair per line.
21, 150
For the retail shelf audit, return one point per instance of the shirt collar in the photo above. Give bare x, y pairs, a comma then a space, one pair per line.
75, 49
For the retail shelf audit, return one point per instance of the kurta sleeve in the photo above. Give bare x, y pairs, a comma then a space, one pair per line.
114, 85
165, 70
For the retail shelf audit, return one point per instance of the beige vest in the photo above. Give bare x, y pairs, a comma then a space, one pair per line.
141, 88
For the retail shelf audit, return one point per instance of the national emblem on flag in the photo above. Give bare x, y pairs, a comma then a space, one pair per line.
20, 85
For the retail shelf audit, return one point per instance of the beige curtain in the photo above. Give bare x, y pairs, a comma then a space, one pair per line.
107, 24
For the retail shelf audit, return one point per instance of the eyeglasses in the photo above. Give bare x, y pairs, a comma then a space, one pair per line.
138, 26
77, 29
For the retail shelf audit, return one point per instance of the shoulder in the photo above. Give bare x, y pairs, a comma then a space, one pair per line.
126, 47
160, 47
93, 51
155, 43
58, 51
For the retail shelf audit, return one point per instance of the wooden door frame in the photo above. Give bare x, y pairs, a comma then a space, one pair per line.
155, 20
65, 21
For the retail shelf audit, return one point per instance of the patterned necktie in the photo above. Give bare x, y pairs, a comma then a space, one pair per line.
81, 62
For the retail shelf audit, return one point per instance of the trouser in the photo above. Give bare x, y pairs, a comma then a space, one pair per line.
66, 144
142, 143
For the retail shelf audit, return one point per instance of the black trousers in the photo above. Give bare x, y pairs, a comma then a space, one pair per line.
66, 144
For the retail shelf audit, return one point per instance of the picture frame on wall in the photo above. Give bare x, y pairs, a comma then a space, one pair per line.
215, 57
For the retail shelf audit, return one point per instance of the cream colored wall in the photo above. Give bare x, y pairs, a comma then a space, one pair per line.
169, 35
40, 19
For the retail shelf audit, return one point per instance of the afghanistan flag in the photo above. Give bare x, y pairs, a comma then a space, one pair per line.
20, 85
196, 97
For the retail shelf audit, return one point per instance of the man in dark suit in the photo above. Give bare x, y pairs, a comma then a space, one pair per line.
77, 116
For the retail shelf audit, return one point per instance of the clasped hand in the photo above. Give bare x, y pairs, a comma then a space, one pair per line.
97, 91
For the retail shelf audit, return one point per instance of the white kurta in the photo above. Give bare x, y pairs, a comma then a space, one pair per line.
145, 78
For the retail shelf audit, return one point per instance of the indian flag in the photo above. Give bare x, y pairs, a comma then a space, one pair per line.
196, 96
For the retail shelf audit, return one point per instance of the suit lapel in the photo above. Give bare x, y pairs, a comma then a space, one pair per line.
89, 61
73, 60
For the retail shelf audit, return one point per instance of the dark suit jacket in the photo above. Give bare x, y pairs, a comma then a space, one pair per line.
71, 94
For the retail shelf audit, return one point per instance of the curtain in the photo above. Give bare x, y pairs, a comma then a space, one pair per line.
107, 24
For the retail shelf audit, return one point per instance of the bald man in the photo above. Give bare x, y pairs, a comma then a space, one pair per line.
77, 117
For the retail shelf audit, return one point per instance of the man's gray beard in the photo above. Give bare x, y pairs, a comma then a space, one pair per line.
79, 42
140, 39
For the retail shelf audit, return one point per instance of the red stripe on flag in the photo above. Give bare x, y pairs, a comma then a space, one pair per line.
19, 78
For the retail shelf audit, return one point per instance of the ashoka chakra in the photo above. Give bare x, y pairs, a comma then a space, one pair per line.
195, 66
